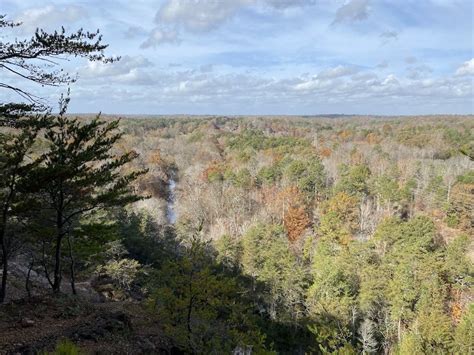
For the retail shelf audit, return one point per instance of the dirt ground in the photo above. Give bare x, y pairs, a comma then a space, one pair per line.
36, 325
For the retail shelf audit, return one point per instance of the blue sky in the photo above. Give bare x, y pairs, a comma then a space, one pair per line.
259, 57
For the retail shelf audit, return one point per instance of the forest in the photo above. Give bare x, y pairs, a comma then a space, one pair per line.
288, 234
350, 234
230, 234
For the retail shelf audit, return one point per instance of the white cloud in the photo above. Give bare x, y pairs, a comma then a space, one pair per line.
391, 79
467, 68
134, 31
336, 72
49, 16
212, 91
127, 70
217, 87
282, 4
159, 36
352, 11
419, 71
205, 15
199, 15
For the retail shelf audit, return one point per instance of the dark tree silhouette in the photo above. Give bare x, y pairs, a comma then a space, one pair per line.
81, 174
37, 59
15, 168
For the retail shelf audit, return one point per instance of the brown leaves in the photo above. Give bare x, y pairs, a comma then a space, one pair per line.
325, 152
373, 138
296, 221
295, 217
213, 172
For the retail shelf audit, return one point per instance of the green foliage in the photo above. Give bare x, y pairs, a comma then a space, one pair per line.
435, 328
437, 189
467, 178
458, 138
308, 176
354, 180
332, 295
229, 250
140, 237
241, 178
121, 270
386, 188
66, 347
269, 175
91, 237
196, 136
267, 258
457, 265
464, 334
201, 308
18, 165
257, 140
79, 175
410, 344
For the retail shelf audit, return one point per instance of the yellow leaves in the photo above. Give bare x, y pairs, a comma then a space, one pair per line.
373, 138
462, 202
356, 157
155, 158
344, 135
346, 208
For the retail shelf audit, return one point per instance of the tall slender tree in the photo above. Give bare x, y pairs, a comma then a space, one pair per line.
81, 175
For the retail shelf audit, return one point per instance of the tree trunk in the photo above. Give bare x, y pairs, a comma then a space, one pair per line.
72, 267
57, 266
399, 330
27, 282
3, 288
59, 239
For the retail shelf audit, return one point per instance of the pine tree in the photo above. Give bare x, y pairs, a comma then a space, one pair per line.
32, 59
201, 309
81, 175
16, 166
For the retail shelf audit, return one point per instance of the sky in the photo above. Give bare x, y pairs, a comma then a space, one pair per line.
259, 57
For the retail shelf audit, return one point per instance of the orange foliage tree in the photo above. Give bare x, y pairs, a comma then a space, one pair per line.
295, 218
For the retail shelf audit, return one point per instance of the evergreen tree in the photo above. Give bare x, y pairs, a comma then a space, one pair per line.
31, 59
464, 335
80, 175
266, 257
16, 166
201, 308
